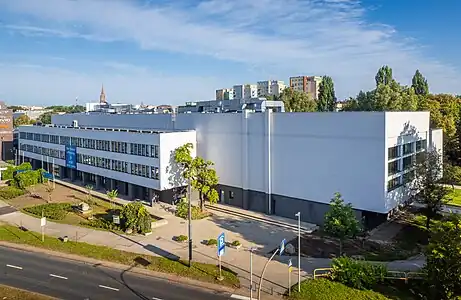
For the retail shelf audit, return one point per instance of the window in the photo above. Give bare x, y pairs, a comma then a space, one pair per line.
393, 152
154, 173
393, 167
231, 195
407, 162
421, 145
408, 148
420, 157
393, 184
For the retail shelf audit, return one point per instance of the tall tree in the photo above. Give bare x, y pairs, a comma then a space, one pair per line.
427, 187
384, 76
326, 99
202, 176
409, 99
443, 267
340, 221
388, 97
22, 120
296, 101
419, 83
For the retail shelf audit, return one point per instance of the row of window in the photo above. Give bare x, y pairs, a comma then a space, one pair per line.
400, 165
406, 149
399, 181
43, 151
103, 145
145, 171
100, 162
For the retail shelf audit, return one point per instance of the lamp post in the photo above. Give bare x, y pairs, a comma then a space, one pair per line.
251, 271
298, 214
190, 222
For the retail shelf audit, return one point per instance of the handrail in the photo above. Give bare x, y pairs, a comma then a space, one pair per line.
399, 275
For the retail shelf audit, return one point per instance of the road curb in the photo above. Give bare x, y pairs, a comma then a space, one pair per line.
157, 275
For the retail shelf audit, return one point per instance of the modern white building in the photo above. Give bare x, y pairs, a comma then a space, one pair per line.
136, 162
245, 91
277, 163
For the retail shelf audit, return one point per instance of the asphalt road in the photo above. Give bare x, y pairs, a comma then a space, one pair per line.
69, 280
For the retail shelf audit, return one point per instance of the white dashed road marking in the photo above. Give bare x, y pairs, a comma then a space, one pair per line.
154, 298
108, 287
57, 276
14, 267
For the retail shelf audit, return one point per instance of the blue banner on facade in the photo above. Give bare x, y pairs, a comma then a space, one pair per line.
71, 157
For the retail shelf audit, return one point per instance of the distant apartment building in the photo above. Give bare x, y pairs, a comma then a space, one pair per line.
270, 88
306, 84
224, 94
245, 91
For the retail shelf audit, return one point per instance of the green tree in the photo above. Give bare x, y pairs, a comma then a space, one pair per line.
45, 118
326, 99
388, 97
202, 176
111, 195
443, 260
340, 221
409, 99
419, 84
22, 120
384, 76
426, 187
135, 216
296, 101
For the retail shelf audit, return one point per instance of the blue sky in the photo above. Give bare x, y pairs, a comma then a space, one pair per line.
170, 52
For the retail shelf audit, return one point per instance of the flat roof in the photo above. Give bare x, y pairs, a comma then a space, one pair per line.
111, 129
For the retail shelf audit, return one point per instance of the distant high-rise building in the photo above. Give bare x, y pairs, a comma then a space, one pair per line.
270, 88
306, 84
224, 94
245, 91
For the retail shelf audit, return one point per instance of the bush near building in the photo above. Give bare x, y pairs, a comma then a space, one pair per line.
8, 174
10, 192
53, 211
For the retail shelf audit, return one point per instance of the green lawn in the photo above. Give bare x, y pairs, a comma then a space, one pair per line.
198, 271
11, 293
324, 289
455, 197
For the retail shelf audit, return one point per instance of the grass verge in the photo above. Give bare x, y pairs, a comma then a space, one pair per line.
455, 197
324, 289
10, 293
198, 271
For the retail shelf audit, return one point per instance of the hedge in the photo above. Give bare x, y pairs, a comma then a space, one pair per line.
10, 192
53, 211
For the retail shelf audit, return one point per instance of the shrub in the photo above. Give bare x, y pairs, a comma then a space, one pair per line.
101, 223
10, 192
53, 211
135, 216
8, 174
28, 178
181, 238
182, 211
235, 243
212, 242
357, 274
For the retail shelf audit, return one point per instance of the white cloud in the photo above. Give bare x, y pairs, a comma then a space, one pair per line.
287, 37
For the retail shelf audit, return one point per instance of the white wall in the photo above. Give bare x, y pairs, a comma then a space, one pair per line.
313, 155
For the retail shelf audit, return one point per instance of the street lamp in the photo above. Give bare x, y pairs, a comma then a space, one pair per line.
298, 214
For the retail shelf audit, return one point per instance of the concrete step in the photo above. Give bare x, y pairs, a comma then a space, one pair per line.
257, 217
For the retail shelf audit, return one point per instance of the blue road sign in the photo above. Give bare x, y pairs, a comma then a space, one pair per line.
47, 175
221, 244
282, 246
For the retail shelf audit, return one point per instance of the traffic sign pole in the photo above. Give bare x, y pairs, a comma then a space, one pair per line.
289, 276
221, 249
